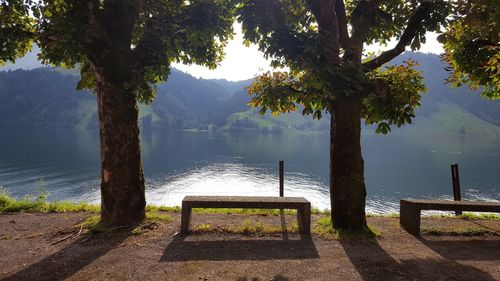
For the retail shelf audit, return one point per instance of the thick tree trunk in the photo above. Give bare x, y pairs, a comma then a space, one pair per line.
347, 185
122, 178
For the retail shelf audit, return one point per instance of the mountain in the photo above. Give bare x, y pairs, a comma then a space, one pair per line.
443, 109
46, 97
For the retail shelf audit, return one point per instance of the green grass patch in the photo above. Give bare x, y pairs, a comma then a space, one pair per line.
324, 228
94, 226
467, 231
247, 228
175, 209
390, 215
466, 216
5, 237
158, 217
475, 216
39, 203
202, 228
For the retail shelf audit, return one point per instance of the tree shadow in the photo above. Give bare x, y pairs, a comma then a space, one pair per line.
372, 262
478, 250
182, 249
69, 260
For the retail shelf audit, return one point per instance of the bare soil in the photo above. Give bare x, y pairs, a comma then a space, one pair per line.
33, 247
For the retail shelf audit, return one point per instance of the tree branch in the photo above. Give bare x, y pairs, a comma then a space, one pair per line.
324, 12
342, 23
364, 17
414, 23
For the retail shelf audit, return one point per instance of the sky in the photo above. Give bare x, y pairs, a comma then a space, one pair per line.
243, 62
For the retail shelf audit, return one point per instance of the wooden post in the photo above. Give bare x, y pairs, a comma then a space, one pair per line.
282, 175
455, 178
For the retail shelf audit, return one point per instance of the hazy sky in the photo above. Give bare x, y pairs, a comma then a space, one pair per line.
245, 62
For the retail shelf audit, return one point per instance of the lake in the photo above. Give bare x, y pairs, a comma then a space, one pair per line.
66, 163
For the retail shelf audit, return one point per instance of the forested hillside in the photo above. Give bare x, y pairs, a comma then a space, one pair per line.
46, 97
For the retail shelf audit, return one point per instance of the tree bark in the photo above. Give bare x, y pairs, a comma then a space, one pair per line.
347, 185
122, 178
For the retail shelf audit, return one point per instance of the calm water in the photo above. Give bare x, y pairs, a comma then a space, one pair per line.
186, 163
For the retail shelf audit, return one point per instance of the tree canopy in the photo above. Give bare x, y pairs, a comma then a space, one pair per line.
16, 29
295, 36
472, 46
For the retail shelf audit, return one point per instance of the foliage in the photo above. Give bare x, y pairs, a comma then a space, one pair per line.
79, 33
16, 29
397, 105
289, 32
472, 46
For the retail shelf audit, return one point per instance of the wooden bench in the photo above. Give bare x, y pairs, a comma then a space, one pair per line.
302, 206
409, 217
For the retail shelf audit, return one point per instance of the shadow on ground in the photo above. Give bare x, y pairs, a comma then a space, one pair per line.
477, 250
67, 261
373, 263
182, 249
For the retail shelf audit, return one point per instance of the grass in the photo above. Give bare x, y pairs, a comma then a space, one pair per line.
475, 216
153, 218
39, 203
158, 217
472, 216
467, 231
247, 228
324, 228
390, 215
6, 237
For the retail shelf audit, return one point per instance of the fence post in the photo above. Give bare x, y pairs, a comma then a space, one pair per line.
455, 178
282, 175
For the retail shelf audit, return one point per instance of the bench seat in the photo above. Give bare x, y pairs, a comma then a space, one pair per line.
302, 206
410, 209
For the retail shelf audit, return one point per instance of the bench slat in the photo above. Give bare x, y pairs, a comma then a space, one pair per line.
267, 199
444, 205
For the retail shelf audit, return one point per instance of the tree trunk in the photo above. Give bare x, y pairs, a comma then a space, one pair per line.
347, 185
122, 179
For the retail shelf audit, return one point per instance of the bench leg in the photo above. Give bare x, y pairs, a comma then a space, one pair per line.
185, 219
409, 217
304, 220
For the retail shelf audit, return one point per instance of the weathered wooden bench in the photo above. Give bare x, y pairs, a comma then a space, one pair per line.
302, 206
409, 217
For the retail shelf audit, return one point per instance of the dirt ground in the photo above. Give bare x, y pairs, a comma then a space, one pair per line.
32, 247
